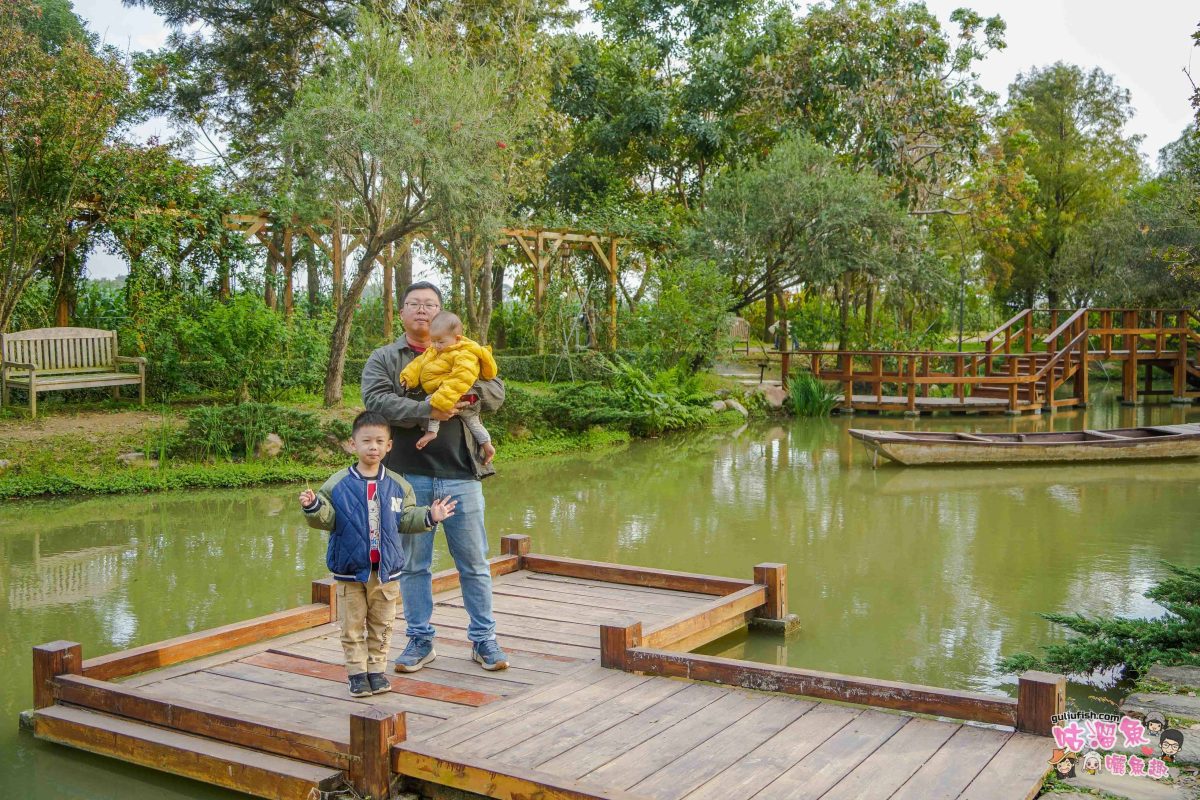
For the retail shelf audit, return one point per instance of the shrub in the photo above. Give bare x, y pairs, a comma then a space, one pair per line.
1131, 644
810, 396
234, 431
655, 404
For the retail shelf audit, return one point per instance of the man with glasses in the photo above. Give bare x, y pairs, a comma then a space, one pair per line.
449, 466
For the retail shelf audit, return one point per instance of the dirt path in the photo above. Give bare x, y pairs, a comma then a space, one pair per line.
88, 424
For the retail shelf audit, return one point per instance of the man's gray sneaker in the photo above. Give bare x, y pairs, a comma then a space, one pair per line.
489, 655
359, 685
417, 654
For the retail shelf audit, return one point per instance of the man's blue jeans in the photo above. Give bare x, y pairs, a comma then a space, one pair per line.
467, 539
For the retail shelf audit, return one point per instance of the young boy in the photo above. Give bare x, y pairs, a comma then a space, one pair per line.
446, 371
366, 507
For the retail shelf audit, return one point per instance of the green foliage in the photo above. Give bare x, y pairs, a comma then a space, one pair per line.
687, 313
663, 403
233, 338
145, 479
810, 396
1133, 645
233, 432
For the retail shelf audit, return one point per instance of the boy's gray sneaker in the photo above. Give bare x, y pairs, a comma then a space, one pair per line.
359, 685
489, 655
378, 682
417, 654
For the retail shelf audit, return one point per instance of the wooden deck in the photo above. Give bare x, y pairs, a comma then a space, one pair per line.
602, 700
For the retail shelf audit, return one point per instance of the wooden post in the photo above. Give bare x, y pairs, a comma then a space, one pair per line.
911, 402
774, 577
1040, 695
371, 733
846, 362
337, 262
614, 273
615, 640
785, 364
1081, 377
387, 257
325, 591
515, 544
49, 661
539, 295
1129, 387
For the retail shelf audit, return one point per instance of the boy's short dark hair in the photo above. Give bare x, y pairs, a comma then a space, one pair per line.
370, 419
412, 287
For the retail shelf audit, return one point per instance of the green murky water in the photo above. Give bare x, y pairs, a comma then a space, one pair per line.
922, 575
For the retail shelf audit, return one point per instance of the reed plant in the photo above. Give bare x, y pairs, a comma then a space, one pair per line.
810, 396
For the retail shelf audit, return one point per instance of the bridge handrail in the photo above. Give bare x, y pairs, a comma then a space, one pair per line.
1006, 325
1069, 322
1059, 356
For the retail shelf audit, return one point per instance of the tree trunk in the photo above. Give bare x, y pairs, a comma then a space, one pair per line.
269, 276
844, 312
339, 339
769, 316
484, 291
312, 267
870, 312
223, 287
404, 269
501, 335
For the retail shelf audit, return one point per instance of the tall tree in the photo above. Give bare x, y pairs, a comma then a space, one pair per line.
58, 109
399, 122
1083, 163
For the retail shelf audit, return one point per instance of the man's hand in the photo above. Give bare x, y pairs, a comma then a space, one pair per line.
307, 498
442, 416
441, 509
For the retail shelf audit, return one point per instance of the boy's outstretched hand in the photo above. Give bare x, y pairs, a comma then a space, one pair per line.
307, 498
441, 509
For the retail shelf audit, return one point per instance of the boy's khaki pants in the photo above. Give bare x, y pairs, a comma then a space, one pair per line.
367, 611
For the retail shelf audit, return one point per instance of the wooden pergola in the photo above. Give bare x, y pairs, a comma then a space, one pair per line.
539, 245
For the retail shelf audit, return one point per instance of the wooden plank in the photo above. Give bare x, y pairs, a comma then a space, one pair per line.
775, 756
653, 754
195, 665
1014, 773
426, 762
202, 643
393, 701
735, 605
637, 576
821, 769
579, 584
828, 686
629, 602
542, 609
546, 644
584, 727
955, 765
586, 756
446, 670
737, 740
337, 673
237, 768
530, 660
202, 720
564, 588
530, 723
886, 770
492, 716
527, 627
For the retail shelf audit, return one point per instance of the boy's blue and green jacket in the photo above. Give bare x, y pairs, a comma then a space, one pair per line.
341, 508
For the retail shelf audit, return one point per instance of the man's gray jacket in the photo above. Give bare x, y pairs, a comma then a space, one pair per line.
381, 392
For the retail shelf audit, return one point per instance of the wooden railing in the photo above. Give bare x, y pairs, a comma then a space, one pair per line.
1026, 361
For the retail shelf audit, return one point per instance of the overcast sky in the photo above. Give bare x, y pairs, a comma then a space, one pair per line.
1144, 45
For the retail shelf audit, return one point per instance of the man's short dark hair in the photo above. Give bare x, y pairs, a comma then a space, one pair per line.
1172, 735
370, 419
412, 287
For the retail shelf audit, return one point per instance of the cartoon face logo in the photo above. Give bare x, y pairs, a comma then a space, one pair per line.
1063, 762
1156, 723
1091, 763
1171, 743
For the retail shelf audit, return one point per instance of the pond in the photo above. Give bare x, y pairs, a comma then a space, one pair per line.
919, 575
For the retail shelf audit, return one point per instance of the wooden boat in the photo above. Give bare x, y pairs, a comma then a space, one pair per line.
914, 448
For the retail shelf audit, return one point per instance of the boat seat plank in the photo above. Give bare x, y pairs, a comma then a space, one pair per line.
1105, 435
970, 437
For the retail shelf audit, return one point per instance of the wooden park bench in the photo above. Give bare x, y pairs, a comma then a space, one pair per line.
57, 359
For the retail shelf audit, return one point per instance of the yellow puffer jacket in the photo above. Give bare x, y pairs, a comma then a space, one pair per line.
446, 375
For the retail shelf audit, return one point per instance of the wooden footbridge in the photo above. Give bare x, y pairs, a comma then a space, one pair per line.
603, 700
1036, 360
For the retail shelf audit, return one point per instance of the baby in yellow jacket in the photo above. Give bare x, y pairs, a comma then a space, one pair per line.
446, 371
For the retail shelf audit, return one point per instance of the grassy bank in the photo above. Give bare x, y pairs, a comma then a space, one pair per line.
78, 449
